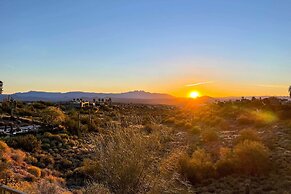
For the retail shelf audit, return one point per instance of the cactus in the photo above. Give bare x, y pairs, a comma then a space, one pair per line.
1, 87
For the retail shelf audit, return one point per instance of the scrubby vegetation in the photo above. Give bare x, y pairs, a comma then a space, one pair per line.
223, 147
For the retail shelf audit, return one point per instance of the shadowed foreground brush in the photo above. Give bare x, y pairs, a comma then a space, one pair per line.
132, 161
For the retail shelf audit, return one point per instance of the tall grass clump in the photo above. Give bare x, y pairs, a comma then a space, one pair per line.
122, 161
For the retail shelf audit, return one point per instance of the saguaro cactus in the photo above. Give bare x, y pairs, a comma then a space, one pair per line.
1, 87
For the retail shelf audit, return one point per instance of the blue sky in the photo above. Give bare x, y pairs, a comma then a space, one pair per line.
241, 47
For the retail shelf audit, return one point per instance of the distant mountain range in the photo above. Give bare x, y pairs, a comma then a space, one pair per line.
132, 96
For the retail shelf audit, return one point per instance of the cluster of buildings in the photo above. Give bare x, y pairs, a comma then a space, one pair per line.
13, 126
80, 103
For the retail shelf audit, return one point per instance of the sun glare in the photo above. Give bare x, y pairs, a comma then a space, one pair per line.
194, 94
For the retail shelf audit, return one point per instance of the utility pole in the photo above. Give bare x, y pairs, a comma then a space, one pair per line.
290, 91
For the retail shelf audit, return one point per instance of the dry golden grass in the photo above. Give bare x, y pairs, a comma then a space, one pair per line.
122, 160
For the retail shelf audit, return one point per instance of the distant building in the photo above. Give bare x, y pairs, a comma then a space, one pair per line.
80, 103
103, 102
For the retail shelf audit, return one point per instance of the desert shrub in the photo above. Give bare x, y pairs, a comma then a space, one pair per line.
183, 124
170, 120
209, 135
55, 180
71, 125
39, 105
53, 116
53, 137
30, 178
285, 112
195, 130
96, 188
149, 128
46, 160
65, 163
43, 187
27, 142
252, 157
245, 119
34, 171
4, 147
197, 167
219, 123
18, 155
187, 125
227, 164
4, 164
122, 160
248, 134
31, 160
88, 169
168, 180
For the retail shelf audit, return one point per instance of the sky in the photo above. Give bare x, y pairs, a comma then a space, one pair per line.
219, 48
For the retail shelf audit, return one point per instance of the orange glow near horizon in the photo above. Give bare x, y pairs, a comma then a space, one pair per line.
194, 94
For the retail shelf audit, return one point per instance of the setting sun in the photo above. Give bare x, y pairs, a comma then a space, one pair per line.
194, 94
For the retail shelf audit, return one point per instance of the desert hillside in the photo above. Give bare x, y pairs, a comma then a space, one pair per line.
220, 147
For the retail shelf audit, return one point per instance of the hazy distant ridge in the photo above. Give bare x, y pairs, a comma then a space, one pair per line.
58, 96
